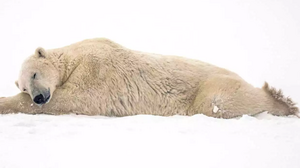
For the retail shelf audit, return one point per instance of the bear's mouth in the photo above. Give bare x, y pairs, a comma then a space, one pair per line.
47, 99
48, 96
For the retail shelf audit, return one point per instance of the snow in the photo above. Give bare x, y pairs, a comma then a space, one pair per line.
148, 141
257, 39
215, 109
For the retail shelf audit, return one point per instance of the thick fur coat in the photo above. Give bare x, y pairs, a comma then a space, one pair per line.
100, 77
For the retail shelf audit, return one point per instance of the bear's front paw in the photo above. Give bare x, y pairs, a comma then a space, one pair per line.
4, 106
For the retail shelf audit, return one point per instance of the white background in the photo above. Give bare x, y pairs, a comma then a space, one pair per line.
258, 39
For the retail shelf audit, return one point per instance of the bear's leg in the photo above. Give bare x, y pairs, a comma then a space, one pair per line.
60, 103
281, 105
18, 103
227, 97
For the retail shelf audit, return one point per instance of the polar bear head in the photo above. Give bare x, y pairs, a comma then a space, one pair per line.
38, 77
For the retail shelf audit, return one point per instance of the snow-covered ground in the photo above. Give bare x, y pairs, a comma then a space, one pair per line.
257, 39
36, 141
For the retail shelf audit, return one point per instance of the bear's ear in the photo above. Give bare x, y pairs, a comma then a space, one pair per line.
40, 52
17, 84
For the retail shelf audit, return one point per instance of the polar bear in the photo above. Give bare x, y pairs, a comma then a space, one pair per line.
101, 77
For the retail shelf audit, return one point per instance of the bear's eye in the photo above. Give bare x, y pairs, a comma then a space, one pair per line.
24, 90
34, 75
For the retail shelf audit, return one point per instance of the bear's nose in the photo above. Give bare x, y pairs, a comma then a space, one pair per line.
39, 99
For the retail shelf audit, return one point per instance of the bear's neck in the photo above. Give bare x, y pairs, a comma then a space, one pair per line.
65, 63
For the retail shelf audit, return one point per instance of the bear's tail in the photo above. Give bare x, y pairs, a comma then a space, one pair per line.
287, 102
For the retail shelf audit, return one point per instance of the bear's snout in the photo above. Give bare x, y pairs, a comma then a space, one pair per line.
41, 99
